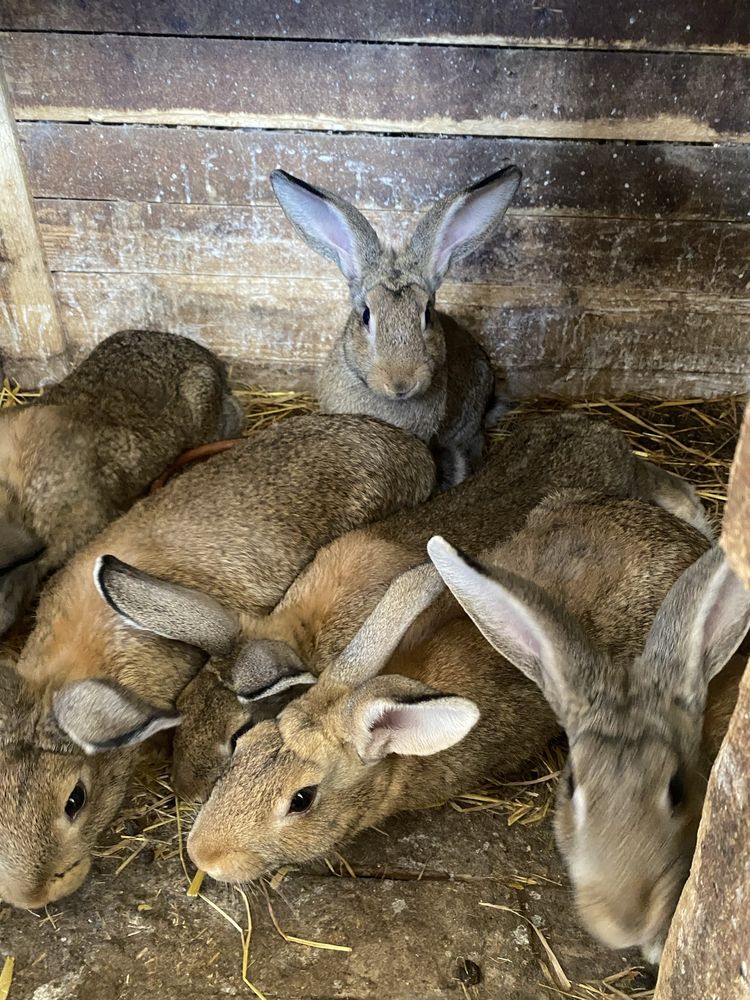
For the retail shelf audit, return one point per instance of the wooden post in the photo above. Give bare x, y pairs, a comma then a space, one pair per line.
708, 949
32, 343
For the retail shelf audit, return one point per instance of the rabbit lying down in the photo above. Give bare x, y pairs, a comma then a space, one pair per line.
88, 687
641, 730
398, 358
417, 709
89, 447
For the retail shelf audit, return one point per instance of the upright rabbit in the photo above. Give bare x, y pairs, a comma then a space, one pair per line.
90, 446
394, 724
89, 687
398, 358
324, 606
630, 798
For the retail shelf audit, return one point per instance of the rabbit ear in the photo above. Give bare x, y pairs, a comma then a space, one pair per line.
101, 715
266, 667
328, 224
698, 627
459, 223
519, 621
377, 640
165, 608
19, 549
392, 714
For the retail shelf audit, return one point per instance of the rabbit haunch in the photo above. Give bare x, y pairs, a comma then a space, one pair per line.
324, 607
387, 728
89, 687
638, 720
398, 358
79, 456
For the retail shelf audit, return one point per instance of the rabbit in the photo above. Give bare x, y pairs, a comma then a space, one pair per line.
642, 723
338, 590
417, 708
398, 358
90, 446
88, 687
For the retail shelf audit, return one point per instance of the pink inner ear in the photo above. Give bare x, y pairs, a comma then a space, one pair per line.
468, 221
418, 728
322, 220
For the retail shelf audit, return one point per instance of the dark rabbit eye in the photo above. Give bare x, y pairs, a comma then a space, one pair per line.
76, 801
366, 316
427, 316
303, 799
676, 790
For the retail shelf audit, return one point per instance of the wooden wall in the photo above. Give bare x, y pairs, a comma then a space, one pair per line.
147, 131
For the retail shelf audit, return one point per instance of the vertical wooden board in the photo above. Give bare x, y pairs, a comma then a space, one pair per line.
379, 88
29, 324
221, 166
691, 24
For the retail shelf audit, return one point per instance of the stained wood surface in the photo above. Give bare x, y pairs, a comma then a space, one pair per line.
688, 25
378, 88
219, 166
277, 331
29, 323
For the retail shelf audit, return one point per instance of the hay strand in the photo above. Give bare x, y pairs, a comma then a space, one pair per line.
6, 977
557, 970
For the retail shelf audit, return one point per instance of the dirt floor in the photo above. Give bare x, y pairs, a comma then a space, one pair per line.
413, 918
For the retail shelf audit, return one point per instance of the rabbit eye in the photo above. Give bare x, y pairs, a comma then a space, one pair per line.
366, 316
303, 799
76, 800
676, 790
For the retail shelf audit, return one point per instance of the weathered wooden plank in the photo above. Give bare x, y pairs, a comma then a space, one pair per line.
219, 166
277, 330
378, 88
689, 25
534, 249
29, 323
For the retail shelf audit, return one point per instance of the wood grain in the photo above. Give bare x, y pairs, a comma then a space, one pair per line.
539, 250
378, 88
29, 323
277, 331
689, 25
219, 166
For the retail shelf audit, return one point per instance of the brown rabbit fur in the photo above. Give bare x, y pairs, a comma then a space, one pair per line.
398, 358
324, 607
88, 687
376, 733
630, 799
89, 447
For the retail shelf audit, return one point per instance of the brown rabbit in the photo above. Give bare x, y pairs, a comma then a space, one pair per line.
380, 732
327, 604
90, 446
398, 358
88, 688
630, 799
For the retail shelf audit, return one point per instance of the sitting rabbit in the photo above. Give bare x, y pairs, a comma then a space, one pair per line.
398, 358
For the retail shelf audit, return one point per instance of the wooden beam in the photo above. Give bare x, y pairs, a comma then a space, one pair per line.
30, 330
214, 167
690, 25
344, 86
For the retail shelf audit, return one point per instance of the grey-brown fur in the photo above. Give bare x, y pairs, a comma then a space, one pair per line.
633, 709
323, 608
409, 364
237, 528
333, 736
78, 457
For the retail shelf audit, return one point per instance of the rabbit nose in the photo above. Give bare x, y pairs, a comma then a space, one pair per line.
403, 389
224, 866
